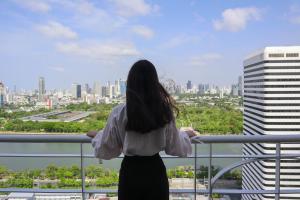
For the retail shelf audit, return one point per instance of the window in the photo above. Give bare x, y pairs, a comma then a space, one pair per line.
276, 55
292, 54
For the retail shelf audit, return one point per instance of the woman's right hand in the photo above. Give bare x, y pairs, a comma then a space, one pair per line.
92, 134
189, 131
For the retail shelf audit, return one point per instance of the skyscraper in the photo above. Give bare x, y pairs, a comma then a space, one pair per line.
117, 88
189, 85
234, 90
42, 90
87, 89
97, 89
104, 91
76, 91
201, 89
112, 93
122, 87
271, 107
2, 92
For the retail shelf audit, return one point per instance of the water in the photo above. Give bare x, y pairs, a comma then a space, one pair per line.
19, 163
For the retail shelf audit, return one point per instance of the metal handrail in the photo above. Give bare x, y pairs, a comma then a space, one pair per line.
82, 138
210, 140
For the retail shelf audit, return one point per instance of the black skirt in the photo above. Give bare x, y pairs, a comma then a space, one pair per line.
143, 178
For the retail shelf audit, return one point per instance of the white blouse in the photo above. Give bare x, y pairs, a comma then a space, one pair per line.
114, 139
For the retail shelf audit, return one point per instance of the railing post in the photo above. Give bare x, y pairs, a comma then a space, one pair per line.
195, 172
209, 172
277, 172
82, 172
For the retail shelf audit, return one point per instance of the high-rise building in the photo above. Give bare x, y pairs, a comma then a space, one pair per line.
97, 89
2, 93
117, 88
108, 86
201, 89
271, 107
234, 90
104, 91
122, 87
42, 90
76, 91
112, 91
87, 88
189, 85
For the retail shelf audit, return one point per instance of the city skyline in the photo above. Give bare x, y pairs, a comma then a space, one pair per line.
37, 87
80, 41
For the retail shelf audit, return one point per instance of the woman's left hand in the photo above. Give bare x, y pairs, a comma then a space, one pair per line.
92, 134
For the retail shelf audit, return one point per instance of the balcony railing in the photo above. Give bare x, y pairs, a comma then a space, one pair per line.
199, 140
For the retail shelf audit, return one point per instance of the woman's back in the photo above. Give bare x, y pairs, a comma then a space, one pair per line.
115, 139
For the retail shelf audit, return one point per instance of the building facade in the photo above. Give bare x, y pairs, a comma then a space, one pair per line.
189, 85
42, 90
76, 91
2, 94
272, 107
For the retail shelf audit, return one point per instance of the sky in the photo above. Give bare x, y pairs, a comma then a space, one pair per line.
84, 41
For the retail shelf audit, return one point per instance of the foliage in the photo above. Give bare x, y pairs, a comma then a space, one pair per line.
211, 119
220, 118
96, 176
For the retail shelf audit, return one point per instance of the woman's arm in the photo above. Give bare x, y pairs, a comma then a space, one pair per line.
106, 143
178, 141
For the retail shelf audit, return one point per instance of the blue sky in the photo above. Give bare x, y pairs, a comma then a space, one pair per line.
84, 41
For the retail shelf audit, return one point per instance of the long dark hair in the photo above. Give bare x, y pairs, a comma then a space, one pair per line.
148, 104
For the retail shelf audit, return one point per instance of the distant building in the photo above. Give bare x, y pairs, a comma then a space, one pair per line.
240, 86
76, 91
117, 88
2, 93
104, 91
189, 85
108, 89
234, 90
42, 89
221, 93
111, 91
122, 87
97, 89
169, 85
87, 88
201, 89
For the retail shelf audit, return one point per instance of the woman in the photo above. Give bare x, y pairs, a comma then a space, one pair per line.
141, 128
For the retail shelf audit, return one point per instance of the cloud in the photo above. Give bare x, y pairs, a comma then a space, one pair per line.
204, 59
294, 14
99, 50
34, 5
295, 19
80, 6
236, 19
56, 30
180, 40
295, 8
58, 69
134, 7
86, 15
143, 31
